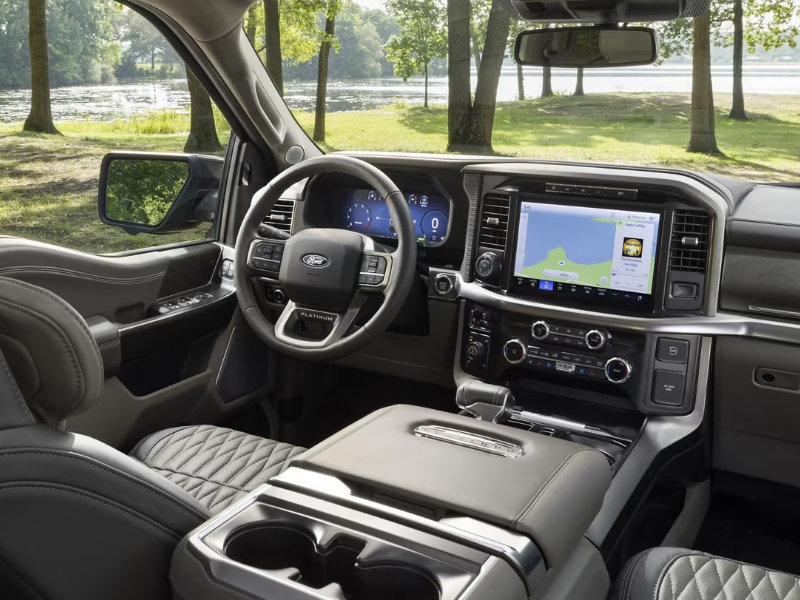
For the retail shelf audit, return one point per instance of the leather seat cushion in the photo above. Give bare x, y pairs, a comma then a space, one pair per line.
215, 465
675, 574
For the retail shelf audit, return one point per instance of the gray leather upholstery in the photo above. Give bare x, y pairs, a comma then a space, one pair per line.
217, 466
550, 493
53, 356
675, 574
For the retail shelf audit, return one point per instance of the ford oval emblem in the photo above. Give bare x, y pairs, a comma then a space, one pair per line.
315, 260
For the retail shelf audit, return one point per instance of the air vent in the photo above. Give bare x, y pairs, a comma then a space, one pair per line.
688, 249
494, 221
281, 215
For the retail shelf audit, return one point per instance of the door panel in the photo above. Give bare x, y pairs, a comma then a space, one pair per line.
164, 317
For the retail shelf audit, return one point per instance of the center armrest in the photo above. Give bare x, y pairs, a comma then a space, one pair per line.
546, 488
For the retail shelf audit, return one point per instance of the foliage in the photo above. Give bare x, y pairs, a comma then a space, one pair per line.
423, 35
143, 191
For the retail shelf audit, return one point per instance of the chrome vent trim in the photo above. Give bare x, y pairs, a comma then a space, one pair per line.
495, 209
689, 242
281, 215
472, 185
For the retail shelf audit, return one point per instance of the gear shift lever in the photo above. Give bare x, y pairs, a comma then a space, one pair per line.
485, 401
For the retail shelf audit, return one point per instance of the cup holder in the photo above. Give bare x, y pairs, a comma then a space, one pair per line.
278, 547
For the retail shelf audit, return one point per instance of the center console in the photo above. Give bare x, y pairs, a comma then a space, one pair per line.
407, 503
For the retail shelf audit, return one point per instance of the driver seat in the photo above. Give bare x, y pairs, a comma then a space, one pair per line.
79, 519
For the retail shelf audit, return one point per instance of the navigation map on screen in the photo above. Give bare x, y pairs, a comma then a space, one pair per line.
603, 248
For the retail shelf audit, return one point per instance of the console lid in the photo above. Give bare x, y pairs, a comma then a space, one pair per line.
546, 488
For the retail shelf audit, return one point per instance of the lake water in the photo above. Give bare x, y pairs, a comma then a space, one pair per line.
124, 100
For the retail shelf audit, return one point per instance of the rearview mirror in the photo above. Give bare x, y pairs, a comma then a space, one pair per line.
587, 47
145, 192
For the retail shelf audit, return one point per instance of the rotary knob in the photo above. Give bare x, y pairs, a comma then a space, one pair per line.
515, 351
476, 351
540, 330
596, 339
487, 267
618, 370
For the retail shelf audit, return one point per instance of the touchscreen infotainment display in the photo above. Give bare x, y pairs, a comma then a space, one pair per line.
595, 255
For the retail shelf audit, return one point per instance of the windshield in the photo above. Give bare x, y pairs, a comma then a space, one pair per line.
388, 76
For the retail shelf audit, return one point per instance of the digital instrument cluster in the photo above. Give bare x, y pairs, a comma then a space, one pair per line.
365, 211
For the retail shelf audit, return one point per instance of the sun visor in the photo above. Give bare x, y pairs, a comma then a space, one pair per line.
604, 11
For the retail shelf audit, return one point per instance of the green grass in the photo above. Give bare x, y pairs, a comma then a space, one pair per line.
638, 129
48, 185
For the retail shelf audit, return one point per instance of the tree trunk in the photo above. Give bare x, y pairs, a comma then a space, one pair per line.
153, 60
203, 131
272, 42
494, 51
547, 82
737, 110
520, 83
459, 102
250, 28
476, 54
426, 85
703, 138
322, 81
40, 119
579, 84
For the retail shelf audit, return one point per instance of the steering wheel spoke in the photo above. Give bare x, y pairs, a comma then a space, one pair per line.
264, 258
314, 328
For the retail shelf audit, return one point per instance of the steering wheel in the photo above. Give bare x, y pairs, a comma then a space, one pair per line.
328, 274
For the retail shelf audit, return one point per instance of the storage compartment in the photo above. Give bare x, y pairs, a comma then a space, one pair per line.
168, 366
281, 547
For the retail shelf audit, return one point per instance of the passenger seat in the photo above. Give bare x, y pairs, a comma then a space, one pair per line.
675, 574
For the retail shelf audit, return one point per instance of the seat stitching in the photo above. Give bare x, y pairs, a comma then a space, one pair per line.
642, 557
70, 351
69, 310
17, 392
4, 487
533, 501
70, 456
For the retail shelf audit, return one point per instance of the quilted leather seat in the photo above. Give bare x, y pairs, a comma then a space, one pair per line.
215, 465
675, 574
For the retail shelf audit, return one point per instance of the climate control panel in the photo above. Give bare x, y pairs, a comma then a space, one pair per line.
495, 343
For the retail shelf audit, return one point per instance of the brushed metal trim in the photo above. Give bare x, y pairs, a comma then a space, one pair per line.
467, 439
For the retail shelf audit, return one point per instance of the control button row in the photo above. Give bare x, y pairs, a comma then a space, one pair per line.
373, 270
183, 302
480, 318
564, 367
267, 256
588, 361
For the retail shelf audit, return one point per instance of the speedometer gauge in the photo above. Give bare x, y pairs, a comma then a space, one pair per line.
359, 216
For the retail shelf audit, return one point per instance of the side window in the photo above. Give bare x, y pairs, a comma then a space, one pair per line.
115, 85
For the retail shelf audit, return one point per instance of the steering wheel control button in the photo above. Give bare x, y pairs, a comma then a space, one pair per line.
540, 330
515, 351
668, 387
372, 270
618, 370
672, 351
596, 340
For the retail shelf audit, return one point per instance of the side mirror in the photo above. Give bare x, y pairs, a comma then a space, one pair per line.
145, 192
587, 47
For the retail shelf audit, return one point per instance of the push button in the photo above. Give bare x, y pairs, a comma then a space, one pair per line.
668, 388
673, 351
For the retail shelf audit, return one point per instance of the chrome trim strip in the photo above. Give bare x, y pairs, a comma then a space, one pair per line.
466, 439
776, 312
520, 552
724, 323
